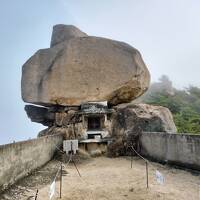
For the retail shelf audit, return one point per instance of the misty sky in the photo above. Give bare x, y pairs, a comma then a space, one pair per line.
167, 33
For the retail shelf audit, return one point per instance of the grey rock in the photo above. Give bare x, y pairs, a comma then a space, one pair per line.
130, 119
63, 32
40, 115
149, 117
68, 134
79, 68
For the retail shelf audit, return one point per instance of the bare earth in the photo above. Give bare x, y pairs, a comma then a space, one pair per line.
105, 178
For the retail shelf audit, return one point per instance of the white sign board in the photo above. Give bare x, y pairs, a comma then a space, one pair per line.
52, 189
159, 178
69, 145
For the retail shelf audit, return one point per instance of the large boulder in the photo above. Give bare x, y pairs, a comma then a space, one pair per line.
131, 119
78, 68
149, 117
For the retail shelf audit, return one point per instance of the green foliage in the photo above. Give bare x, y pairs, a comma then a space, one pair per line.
184, 105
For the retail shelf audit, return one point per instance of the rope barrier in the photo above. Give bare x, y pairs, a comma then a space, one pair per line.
146, 162
139, 154
153, 166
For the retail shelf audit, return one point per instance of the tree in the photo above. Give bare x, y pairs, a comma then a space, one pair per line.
184, 104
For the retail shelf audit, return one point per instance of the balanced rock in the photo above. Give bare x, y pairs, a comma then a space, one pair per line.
78, 68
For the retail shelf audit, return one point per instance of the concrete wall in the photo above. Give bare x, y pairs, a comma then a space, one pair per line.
19, 159
178, 149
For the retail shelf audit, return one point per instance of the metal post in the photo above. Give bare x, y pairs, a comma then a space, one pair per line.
36, 194
147, 175
131, 159
74, 130
72, 152
61, 181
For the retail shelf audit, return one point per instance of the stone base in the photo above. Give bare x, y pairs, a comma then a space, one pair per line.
94, 147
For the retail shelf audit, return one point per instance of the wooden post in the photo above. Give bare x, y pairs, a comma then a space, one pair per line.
147, 175
131, 159
36, 194
61, 180
146, 162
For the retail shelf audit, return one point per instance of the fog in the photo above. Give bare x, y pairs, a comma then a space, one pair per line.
165, 32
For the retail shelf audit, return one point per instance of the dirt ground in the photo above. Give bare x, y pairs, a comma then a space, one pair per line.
104, 178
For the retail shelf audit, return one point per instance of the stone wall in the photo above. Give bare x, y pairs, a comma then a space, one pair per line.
19, 159
178, 149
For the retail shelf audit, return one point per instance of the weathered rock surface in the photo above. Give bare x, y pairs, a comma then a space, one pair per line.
71, 131
65, 32
130, 119
80, 68
57, 130
40, 115
53, 116
149, 117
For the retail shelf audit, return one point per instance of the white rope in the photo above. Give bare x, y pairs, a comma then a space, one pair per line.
139, 154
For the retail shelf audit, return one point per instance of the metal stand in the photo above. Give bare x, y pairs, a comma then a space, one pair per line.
61, 169
76, 167
72, 152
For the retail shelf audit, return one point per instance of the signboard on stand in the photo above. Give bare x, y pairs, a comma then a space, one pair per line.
70, 145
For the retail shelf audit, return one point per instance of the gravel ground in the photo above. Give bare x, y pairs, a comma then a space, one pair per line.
104, 178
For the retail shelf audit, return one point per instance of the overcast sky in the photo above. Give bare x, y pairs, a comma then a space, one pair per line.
166, 32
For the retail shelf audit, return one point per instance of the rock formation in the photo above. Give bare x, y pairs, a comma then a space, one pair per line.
130, 119
78, 68
150, 118
79, 72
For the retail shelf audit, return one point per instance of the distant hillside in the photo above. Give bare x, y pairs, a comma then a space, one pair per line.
184, 104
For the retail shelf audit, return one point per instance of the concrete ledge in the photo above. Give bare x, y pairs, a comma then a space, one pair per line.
179, 149
18, 159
